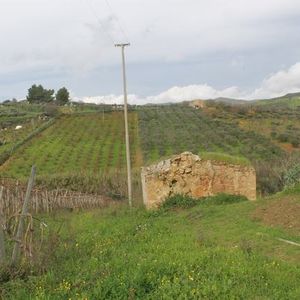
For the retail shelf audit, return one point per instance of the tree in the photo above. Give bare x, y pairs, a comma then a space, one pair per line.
37, 94
62, 96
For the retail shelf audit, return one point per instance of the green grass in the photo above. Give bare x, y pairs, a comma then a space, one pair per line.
236, 160
182, 201
83, 143
206, 252
294, 190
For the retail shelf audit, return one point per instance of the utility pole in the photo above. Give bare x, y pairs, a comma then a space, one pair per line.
126, 125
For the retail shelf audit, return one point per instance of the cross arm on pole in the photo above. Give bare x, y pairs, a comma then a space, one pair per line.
122, 45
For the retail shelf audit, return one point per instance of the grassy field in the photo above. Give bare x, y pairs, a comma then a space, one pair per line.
78, 143
209, 251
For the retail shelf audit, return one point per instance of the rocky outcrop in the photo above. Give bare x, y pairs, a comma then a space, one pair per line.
190, 175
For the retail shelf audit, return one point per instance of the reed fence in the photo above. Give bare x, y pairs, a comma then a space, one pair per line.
12, 196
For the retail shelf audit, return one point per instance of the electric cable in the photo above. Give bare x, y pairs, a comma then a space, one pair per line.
118, 20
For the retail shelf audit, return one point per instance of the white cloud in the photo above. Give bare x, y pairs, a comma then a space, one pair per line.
203, 91
174, 94
278, 84
110, 99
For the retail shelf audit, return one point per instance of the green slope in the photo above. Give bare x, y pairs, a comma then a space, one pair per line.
205, 252
79, 147
83, 143
291, 101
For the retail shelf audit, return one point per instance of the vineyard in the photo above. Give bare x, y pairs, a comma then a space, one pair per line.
78, 143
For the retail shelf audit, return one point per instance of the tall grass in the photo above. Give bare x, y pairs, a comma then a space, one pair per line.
205, 252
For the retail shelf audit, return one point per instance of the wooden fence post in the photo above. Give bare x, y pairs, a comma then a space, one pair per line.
19, 235
2, 241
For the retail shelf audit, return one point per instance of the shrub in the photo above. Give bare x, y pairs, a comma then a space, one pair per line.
283, 138
269, 177
179, 201
51, 110
182, 201
295, 142
239, 160
223, 199
292, 176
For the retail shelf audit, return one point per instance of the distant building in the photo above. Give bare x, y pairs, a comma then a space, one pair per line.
197, 104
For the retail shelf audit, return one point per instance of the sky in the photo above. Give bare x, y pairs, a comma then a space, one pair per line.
180, 49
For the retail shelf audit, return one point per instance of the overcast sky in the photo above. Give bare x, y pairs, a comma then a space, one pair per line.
180, 49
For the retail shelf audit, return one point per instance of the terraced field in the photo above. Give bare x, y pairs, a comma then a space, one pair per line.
89, 143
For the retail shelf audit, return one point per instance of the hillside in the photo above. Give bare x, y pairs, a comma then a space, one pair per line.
18, 114
176, 128
173, 129
291, 101
280, 124
86, 143
212, 250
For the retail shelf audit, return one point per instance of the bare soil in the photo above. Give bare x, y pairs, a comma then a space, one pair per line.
284, 212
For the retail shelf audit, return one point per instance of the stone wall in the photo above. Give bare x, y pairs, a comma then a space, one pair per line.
190, 175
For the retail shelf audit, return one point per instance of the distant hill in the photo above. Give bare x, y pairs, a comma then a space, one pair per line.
229, 100
291, 100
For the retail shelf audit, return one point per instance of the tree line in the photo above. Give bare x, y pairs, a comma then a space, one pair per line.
37, 94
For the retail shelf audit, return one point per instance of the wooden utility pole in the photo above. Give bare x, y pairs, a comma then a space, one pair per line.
2, 240
129, 181
19, 235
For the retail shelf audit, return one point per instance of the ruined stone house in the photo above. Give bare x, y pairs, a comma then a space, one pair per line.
191, 175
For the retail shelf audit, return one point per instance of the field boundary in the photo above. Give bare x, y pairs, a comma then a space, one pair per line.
46, 201
8, 153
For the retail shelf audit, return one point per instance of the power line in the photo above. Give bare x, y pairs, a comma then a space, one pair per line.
93, 11
118, 21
